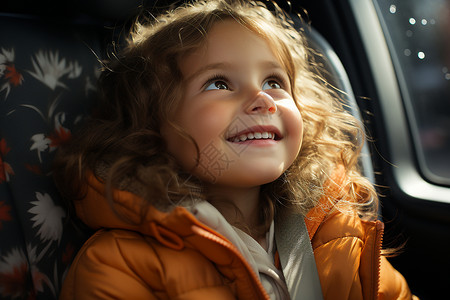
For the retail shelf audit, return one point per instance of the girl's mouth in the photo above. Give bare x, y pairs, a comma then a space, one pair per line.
256, 133
265, 135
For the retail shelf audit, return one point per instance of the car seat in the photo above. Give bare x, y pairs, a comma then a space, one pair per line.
336, 76
48, 68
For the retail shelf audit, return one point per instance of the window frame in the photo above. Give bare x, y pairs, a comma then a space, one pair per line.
388, 84
409, 106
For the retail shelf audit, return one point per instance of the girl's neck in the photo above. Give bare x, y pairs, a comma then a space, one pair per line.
239, 206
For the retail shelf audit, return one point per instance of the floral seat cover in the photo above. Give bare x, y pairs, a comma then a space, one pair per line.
47, 84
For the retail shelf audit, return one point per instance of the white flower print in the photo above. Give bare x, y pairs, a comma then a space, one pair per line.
40, 144
76, 70
78, 119
7, 88
38, 277
49, 69
48, 217
60, 134
60, 118
6, 57
89, 86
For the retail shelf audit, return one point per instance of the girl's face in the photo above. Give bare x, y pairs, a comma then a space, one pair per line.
237, 106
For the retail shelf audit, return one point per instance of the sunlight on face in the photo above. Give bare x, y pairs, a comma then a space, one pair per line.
238, 107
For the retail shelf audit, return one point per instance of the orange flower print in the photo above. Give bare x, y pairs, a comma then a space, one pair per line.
14, 77
60, 136
4, 149
14, 276
5, 168
5, 171
36, 169
11, 77
4, 213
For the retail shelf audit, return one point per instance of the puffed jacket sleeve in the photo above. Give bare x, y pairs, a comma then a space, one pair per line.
101, 271
392, 284
349, 262
120, 264
342, 277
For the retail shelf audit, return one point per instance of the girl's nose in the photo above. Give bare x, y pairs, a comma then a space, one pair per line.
262, 104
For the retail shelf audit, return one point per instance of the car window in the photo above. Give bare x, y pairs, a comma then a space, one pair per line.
418, 38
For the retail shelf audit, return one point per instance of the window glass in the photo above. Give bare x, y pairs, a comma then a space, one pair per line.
418, 35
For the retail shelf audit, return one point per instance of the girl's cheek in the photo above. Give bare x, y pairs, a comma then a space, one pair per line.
182, 149
290, 107
293, 121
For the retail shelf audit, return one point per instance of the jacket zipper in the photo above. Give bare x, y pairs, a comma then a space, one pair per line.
214, 238
377, 260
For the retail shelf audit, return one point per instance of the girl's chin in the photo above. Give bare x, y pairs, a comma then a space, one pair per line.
248, 180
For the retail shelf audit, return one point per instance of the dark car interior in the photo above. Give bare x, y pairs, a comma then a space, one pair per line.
49, 52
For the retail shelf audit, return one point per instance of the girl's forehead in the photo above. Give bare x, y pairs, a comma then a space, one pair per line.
229, 38
230, 43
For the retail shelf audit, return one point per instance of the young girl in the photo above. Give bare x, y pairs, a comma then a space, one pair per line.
219, 166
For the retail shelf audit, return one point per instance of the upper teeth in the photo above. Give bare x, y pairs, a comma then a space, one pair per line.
254, 135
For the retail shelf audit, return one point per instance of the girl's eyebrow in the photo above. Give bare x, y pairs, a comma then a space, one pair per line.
204, 69
227, 66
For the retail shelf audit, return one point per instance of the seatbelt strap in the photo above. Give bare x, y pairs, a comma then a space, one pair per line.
297, 257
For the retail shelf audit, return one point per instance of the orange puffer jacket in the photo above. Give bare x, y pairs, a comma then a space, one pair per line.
174, 256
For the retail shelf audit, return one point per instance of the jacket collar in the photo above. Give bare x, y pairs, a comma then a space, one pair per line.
129, 211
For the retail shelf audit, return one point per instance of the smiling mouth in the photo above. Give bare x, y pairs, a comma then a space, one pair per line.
264, 135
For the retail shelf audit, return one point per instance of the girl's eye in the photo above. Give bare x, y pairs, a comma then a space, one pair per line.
271, 84
217, 85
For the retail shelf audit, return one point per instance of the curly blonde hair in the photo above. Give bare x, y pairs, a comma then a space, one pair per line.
141, 86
